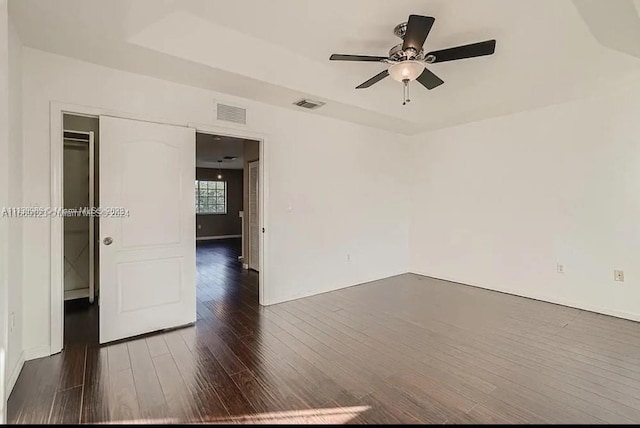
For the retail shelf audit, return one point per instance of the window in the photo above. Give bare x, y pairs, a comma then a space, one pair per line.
211, 197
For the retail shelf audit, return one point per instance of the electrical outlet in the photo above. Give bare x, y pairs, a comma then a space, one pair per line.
618, 275
348, 257
560, 268
199, 226
12, 322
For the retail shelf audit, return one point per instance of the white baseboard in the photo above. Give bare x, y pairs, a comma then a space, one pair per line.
543, 298
13, 377
208, 238
281, 299
39, 352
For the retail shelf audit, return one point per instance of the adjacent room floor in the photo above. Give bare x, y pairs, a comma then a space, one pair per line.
403, 349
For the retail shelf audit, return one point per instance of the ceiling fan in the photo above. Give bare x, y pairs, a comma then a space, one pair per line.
407, 61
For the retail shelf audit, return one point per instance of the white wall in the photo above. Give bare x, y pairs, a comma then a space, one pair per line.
16, 358
499, 203
343, 182
4, 200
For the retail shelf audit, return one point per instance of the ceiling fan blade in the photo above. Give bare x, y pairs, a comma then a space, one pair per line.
429, 80
487, 47
418, 28
342, 57
375, 79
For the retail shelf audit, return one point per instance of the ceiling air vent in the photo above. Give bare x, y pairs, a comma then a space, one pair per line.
310, 104
231, 114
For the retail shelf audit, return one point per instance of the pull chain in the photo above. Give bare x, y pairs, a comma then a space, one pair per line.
405, 92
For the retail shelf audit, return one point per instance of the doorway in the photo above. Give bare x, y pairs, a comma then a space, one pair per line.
136, 245
227, 245
162, 136
80, 192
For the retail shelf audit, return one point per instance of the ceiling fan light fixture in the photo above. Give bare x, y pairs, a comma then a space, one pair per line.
406, 70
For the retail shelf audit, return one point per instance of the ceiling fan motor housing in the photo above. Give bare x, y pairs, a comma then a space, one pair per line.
397, 54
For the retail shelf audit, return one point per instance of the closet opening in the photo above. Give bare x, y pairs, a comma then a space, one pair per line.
80, 230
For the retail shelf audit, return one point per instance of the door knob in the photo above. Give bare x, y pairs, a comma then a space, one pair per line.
108, 240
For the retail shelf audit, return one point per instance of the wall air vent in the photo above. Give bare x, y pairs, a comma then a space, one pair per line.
231, 114
309, 104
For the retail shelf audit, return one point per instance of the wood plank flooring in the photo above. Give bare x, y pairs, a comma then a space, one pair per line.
405, 349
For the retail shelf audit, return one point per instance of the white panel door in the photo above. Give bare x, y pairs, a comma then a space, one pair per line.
254, 217
147, 260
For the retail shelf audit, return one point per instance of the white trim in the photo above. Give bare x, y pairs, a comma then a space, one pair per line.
57, 230
250, 260
241, 215
209, 238
322, 290
264, 290
39, 352
245, 266
590, 308
92, 203
13, 377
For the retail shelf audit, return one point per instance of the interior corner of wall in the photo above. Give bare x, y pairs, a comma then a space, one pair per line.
14, 372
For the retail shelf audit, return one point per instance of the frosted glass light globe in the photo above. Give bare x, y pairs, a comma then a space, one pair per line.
406, 70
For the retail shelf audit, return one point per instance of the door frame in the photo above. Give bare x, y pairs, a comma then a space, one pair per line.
248, 211
57, 110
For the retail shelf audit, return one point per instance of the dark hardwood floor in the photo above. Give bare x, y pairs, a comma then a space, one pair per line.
405, 349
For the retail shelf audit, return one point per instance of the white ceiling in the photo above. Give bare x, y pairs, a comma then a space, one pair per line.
210, 149
277, 51
615, 24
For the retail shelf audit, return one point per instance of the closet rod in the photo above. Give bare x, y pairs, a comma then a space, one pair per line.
75, 140
77, 132
68, 134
